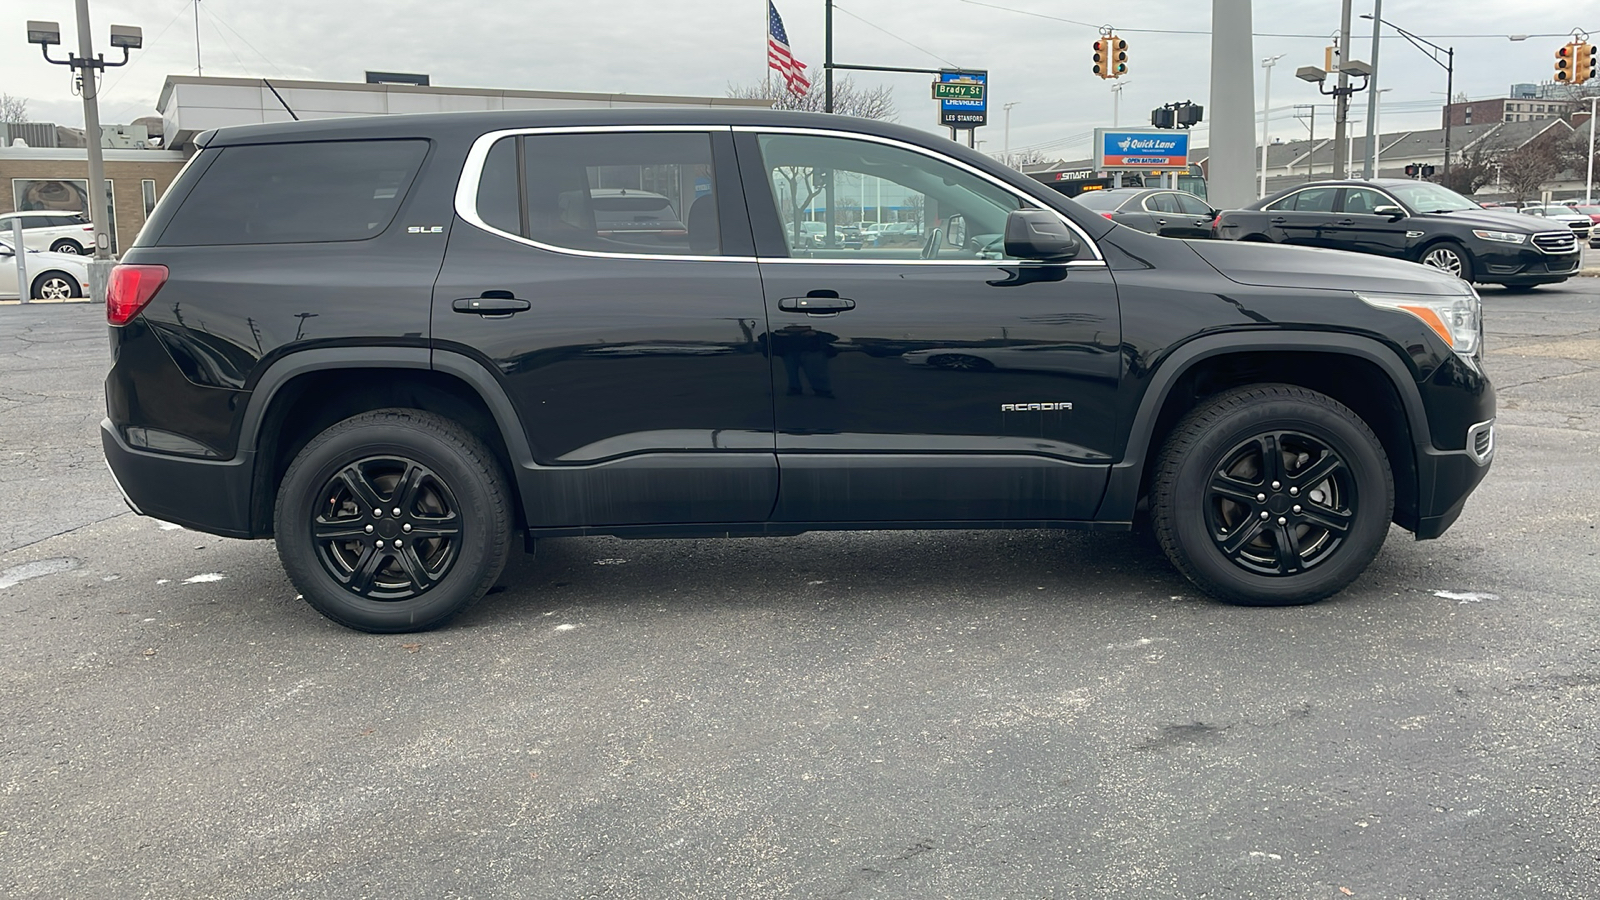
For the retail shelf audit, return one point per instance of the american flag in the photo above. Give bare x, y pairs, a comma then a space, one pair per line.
778, 55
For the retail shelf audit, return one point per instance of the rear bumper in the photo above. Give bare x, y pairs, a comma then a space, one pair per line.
205, 495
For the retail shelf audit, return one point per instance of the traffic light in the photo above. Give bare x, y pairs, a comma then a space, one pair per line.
1583, 63
1565, 57
1110, 57
1189, 115
1165, 117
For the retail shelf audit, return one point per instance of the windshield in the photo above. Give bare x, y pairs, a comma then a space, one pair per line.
1424, 197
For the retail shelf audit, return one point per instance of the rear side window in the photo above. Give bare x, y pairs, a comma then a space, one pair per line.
1308, 200
297, 193
647, 193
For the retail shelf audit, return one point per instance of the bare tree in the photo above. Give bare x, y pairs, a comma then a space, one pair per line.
848, 98
1019, 158
13, 110
1527, 169
1471, 170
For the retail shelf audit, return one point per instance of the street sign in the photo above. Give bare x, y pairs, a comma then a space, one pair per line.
957, 90
1115, 149
963, 112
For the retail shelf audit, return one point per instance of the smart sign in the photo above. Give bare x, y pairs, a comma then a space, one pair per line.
1118, 149
963, 99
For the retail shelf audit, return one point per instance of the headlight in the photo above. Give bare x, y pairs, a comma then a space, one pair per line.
1458, 319
1504, 237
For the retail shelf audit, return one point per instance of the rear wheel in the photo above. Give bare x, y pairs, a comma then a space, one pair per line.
56, 286
67, 245
394, 520
1272, 495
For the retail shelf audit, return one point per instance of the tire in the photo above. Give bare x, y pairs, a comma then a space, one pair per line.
457, 498
67, 245
56, 285
1212, 474
1449, 256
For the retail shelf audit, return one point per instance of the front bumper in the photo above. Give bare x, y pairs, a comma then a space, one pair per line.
1517, 266
201, 494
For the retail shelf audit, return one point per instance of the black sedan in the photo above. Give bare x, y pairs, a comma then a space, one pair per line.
1164, 212
1412, 220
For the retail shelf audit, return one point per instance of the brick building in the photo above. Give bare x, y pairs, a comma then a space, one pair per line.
1507, 109
57, 178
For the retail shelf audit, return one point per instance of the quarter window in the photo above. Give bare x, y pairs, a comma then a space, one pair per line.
826, 188
1192, 205
648, 193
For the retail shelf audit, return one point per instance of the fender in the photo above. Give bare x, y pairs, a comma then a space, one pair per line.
1122, 494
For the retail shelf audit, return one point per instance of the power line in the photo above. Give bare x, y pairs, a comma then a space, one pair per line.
246, 41
895, 36
1207, 32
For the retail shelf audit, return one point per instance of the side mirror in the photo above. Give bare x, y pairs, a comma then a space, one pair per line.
1394, 213
955, 231
1040, 234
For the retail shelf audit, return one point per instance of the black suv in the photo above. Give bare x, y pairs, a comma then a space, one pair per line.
395, 343
1412, 220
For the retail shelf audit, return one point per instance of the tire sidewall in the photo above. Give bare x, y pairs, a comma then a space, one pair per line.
480, 553
1374, 503
1468, 267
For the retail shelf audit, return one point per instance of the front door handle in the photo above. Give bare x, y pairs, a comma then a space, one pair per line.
817, 302
491, 303
1279, 220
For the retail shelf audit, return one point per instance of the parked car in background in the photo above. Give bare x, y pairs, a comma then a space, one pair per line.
633, 214
57, 232
51, 276
1590, 210
1162, 212
1579, 222
1412, 220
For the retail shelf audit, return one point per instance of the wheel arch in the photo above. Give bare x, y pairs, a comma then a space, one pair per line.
1359, 372
304, 393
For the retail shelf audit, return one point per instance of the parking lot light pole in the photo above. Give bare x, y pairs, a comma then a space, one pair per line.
1266, 112
88, 67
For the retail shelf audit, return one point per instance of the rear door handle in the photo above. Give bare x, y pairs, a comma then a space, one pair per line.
491, 303
817, 302
1345, 222
1161, 221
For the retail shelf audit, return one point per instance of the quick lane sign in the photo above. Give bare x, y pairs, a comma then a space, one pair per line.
968, 110
1118, 149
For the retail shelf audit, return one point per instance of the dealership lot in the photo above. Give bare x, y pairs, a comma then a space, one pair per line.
919, 714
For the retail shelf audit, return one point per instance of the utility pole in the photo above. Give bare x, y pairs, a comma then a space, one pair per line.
1341, 111
1007, 108
1369, 169
1266, 113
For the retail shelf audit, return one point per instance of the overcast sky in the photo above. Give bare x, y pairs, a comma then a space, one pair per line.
700, 46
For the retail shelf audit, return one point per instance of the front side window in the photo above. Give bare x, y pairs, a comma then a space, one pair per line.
825, 188
648, 193
1364, 201
297, 193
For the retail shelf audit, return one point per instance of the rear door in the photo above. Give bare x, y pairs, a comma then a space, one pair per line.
630, 350
1305, 217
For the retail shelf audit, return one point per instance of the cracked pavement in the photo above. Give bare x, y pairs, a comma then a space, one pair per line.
918, 714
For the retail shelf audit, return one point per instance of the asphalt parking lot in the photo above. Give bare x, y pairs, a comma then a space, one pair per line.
919, 714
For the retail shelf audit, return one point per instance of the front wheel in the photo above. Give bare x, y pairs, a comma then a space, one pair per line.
1450, 257
394, 520
1272, 495
56, 286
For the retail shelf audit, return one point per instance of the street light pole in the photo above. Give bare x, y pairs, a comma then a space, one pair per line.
1116, 104
1369, 169
1266, 111
1341, 111
88, 67
1448, 64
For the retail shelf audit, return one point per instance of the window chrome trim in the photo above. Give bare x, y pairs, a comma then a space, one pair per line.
466, 196
1298, 192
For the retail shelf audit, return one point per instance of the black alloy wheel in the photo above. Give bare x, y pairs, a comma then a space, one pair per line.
1280, 503
1272, 495
394, 520
388, 528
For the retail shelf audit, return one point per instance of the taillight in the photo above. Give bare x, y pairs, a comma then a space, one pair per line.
132, 287
1109, 215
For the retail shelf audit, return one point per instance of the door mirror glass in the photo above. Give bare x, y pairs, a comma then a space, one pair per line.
956, 231
1040, 234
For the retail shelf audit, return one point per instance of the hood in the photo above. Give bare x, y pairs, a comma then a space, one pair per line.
1276, 265
72, 261
1499, 221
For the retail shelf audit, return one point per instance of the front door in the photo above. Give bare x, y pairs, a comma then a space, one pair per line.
931, 382
609, 280
1361, 229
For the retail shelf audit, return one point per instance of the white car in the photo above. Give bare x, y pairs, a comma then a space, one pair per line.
58, 232
1566, 215
52, 276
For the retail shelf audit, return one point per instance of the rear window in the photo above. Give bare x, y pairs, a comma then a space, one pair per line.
297, 193
631, 204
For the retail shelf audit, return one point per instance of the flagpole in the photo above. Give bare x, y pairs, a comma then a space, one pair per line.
766, 37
